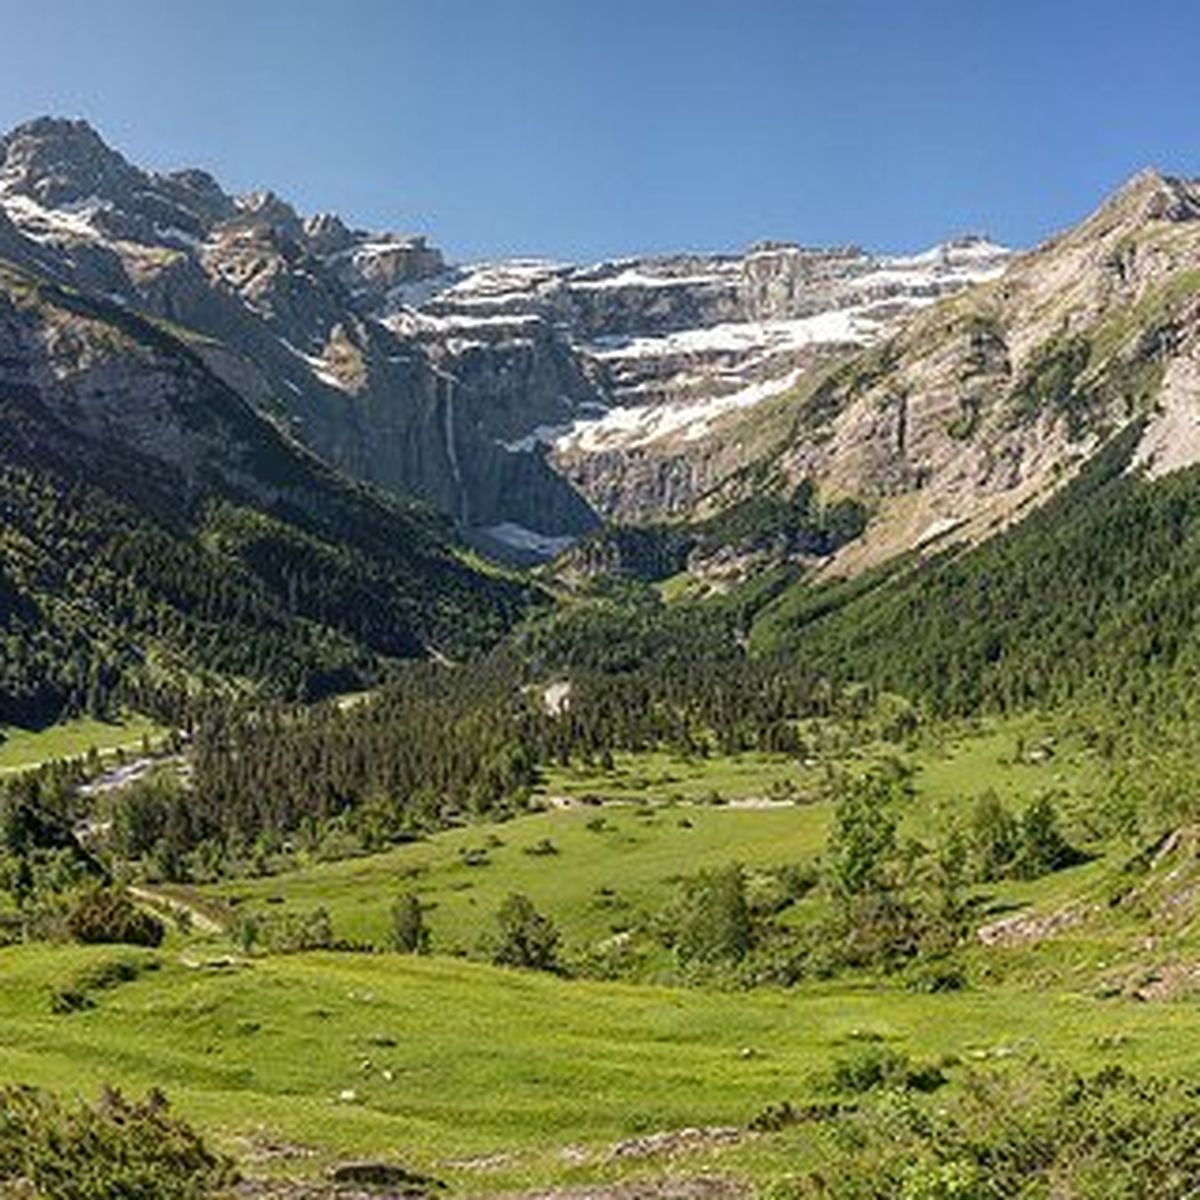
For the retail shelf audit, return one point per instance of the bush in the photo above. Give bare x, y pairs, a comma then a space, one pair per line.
711, 923
994, 838
936, 975
107, 914
409, 933
877, 1066
118, 1149
525, 937
1043, 847
284, 933
1031, 1131
1003, 845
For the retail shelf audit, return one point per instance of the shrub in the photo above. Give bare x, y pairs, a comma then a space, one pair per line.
118, 1149
862, 842
409, 933
525, 938
106, 914
284, 933
879, 1066
1043, 847
1031, 1130
994, 838
936, 975
711, 921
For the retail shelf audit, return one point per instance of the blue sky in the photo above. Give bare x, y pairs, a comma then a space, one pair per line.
590, 128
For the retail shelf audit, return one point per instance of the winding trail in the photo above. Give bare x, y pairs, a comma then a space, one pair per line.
201, 921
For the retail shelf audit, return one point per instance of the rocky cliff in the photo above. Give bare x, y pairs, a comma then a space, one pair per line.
941, 392
984, 405
523, 398
284, 310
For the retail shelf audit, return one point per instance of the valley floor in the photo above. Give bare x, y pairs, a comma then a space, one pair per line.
498, 1080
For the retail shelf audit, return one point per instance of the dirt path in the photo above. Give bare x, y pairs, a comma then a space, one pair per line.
201, 921
702, 1187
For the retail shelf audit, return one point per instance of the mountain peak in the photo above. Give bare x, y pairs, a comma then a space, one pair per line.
58, 160
1151, 195
63, 128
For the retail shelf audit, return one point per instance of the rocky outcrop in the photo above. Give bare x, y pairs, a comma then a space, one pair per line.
530, 399
284, 310
986, 404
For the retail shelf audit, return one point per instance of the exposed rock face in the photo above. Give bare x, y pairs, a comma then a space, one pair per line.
665, 346
986, 404
284, 310
529, 399
455, 383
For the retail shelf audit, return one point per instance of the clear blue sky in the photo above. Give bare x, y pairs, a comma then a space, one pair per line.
586, 128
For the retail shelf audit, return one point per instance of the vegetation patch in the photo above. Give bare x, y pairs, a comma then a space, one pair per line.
115, 1149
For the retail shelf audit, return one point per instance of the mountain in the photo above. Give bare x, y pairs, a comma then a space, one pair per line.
981, 407
971, 413
825, 408
281, 309
157, 532
518, 397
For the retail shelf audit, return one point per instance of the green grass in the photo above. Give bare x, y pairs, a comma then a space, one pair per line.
1017, 758
489, 1061
24, 749
661, 776
654, 829
450, 1059
639, 854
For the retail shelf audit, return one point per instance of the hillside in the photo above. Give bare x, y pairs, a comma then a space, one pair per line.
983, 406
1089, 600
819, 824
157, 531
524, 399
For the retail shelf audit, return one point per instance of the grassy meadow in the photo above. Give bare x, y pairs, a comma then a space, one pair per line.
491, 1078
435, 1061
24, 749
617, 851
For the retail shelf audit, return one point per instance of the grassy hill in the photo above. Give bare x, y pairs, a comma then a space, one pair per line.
491, 1078
536, 1076
23, 749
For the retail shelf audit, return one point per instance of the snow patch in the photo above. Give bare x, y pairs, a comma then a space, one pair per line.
621, 428
169, 233
540, 435
424, 322
544, 545
839, 325
42, 224
632, 277
318, 366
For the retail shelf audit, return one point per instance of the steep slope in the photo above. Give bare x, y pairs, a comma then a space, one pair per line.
154, 528
984, 404
284, 309
665, 346
519, 397
1094, 596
